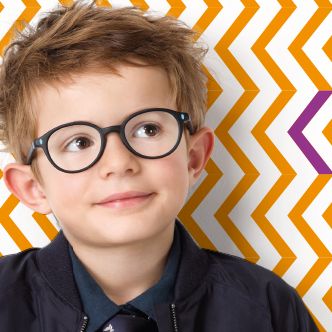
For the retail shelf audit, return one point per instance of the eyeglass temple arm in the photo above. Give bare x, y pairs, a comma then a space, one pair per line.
187, 121
30, 154
35, 144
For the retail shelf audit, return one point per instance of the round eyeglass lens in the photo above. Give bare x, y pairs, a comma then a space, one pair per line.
74, 147
152, 134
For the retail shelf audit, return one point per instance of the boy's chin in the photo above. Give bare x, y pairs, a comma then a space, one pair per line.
117, 236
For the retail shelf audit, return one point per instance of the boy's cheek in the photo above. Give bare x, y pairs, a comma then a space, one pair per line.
63, 191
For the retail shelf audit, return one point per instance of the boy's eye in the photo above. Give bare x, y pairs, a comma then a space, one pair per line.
78, 143
147, 130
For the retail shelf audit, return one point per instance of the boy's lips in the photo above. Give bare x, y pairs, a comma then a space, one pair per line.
125, 196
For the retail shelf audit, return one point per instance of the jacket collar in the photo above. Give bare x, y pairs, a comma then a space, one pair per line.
55, 264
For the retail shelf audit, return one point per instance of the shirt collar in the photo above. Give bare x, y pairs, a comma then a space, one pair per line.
100, 308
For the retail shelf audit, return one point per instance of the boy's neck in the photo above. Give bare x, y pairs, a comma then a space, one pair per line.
126, 272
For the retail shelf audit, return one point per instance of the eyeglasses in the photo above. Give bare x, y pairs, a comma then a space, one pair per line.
76, 146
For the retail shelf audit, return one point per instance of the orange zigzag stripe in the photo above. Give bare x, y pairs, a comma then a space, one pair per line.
324, 3
251, 90
288, 174
102, 3
31, 9
45, 224
313, 240
327, 48
214, 174
1, 7
214, 89
1, 174
213, 9
66, 3
185, 215
327, 298
296, 47
13, 231
259, 132
258, 48
318, 324
322, 252
327, 215
140, 3
177, 7
328, 132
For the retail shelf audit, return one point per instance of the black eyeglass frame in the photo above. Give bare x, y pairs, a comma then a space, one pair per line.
183, 119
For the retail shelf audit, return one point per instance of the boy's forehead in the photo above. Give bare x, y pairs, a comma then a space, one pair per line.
99, 96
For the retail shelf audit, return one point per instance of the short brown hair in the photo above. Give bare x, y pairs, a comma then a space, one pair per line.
81, 37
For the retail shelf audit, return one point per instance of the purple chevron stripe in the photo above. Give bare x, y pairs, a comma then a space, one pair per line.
296, 132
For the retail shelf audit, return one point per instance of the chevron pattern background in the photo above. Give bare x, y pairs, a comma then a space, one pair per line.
266, 193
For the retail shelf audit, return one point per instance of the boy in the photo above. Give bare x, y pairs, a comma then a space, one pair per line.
104, 110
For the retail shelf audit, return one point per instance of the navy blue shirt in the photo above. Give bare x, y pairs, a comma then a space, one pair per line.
99, 308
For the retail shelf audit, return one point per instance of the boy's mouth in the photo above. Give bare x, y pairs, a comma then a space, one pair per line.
125, 199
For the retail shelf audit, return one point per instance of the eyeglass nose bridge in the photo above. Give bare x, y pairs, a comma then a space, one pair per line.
113, 129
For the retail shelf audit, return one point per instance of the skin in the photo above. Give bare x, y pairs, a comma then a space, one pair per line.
133, 241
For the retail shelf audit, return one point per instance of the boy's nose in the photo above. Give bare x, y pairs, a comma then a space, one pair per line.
117, 158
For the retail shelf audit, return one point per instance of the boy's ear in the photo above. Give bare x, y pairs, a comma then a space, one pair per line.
21, 181
199, 151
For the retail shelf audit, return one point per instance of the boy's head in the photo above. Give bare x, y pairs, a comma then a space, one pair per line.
99, 65
86, 37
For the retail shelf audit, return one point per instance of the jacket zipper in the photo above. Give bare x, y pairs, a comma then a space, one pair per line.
85, 323
174, 320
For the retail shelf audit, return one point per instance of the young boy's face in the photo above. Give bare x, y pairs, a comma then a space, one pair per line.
107, 99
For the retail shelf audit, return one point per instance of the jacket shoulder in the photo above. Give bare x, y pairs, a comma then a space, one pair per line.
17, 268
262, 286
248, 278
236, 269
